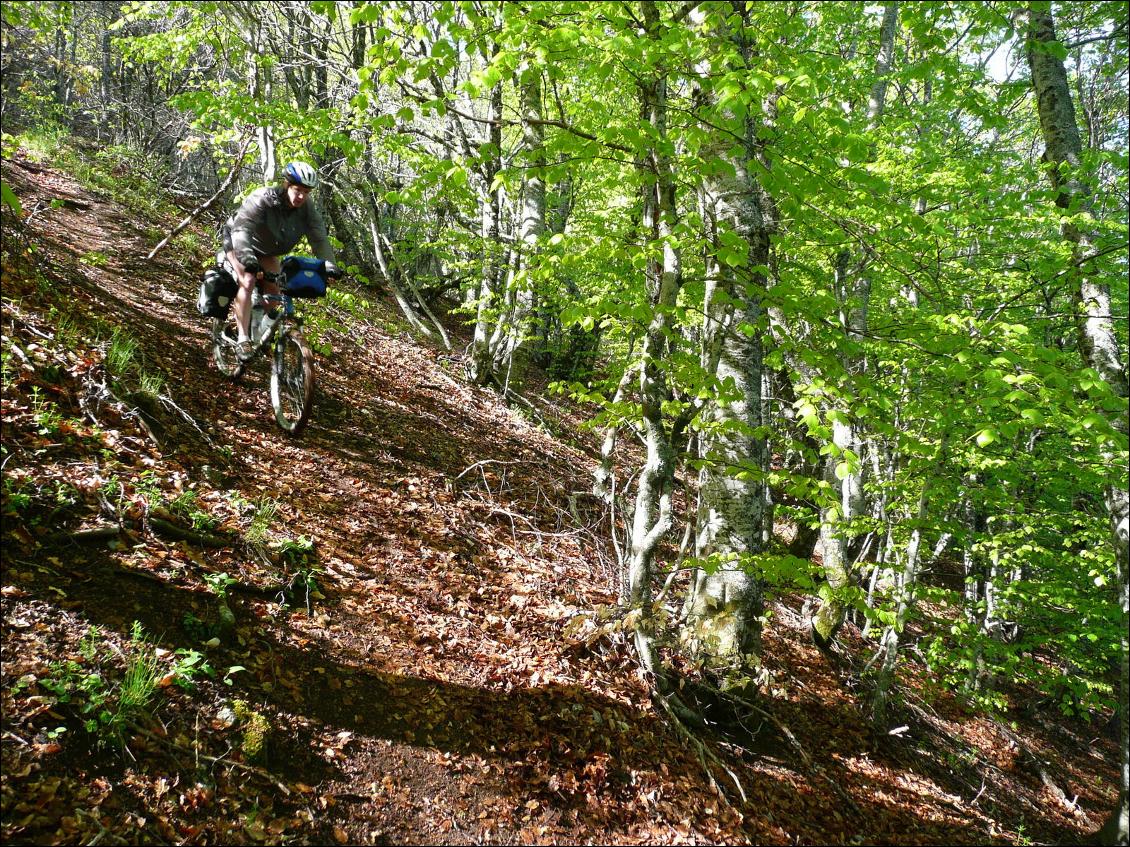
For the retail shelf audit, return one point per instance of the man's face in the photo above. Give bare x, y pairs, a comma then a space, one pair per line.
296, 194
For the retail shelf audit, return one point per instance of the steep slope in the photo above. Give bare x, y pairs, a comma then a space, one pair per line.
402, 579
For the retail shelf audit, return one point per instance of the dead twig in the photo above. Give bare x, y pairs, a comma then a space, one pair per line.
260, 772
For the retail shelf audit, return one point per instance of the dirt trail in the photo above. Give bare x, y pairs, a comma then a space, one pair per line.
431, 697
437, 649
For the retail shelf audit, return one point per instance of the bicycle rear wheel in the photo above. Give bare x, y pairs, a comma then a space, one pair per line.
292, 380
225, 336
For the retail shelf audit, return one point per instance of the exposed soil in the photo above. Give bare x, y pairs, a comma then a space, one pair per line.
430, 688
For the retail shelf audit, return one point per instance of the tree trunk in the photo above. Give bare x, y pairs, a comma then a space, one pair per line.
480, 368
905, 598
259, 85
1097, 340
520, 294
724, 606
653, 515
836, 518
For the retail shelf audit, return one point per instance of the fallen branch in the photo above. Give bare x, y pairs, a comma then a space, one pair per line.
485, 462
97, 533
216, 759
156, 525
207, 204
1040, 766
179, 533
168, 402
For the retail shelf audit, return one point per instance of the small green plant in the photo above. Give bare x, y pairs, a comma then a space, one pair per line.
67, 332
104, 707
141, 676
148, 486
188, 242
187, 666
15, 499
95, 258
8, 370
197, 629
219, 583
258, 531
121, 353
238, 502
296, 551
45, 413
150, 384
111, 488
90, 693
185, 506
88, 647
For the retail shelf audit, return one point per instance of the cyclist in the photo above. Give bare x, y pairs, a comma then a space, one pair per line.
268, 224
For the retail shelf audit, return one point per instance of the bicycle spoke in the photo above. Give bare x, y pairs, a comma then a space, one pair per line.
292, 380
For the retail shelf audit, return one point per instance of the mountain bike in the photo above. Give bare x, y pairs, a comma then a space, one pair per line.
275, 330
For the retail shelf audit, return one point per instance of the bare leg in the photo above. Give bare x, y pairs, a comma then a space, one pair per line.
246, 280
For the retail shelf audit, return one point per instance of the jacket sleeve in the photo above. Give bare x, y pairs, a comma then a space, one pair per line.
317, 236
251, 215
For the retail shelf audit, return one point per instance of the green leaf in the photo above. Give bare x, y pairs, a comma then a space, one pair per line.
986, 437
9, 198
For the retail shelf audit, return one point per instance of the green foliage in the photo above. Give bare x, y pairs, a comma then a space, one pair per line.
121, 354
9, 198
188, 665
219, 583
186, 506
107, 708
259, 530
45, 413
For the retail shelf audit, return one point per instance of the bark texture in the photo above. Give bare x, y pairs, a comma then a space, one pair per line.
1097, 340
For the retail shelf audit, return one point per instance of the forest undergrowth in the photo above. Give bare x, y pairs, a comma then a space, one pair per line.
375, 633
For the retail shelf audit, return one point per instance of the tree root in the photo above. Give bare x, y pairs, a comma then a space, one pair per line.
682, 718
1028, 757
179, 533
813, 769
159, 527
685, 720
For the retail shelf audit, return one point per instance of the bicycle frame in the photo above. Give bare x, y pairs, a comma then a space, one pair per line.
292, 368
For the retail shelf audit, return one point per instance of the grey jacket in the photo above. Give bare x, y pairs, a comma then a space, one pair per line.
266, 225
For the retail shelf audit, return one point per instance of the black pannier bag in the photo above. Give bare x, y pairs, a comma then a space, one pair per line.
217, 288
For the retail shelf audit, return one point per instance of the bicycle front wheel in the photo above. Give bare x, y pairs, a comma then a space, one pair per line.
292, 380
225, 335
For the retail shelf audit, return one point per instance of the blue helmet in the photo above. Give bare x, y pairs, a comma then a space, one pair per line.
301, 173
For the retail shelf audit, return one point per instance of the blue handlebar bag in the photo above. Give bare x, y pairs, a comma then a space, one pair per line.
305, 277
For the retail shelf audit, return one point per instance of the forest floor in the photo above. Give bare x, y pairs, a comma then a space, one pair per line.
437, 683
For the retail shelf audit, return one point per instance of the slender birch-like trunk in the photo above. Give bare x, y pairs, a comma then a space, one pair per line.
1098, 343
481, 361
653, 517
